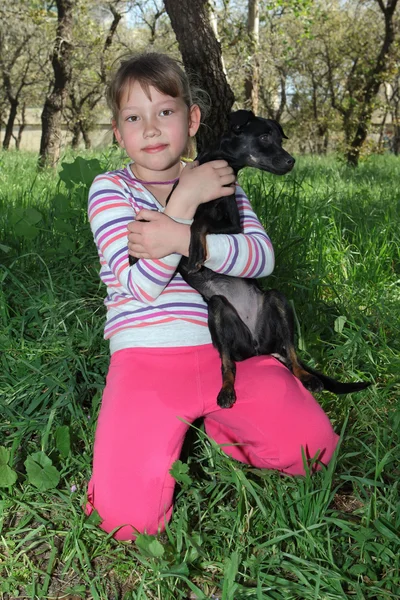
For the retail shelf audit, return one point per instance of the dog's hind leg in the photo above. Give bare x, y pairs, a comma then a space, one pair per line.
234, 342
276, 336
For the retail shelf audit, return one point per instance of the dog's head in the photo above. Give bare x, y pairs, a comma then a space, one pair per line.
256, 142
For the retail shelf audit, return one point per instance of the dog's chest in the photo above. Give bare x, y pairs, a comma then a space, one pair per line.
247, 299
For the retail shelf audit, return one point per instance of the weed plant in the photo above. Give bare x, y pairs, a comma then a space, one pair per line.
236, 532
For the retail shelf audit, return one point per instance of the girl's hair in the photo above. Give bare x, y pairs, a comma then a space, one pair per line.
157, 70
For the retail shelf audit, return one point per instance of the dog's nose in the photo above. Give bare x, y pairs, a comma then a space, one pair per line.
290, 161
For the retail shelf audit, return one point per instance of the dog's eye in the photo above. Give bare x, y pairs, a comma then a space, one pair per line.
264, 137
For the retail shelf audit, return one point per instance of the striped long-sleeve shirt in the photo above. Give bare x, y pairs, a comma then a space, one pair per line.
149, 304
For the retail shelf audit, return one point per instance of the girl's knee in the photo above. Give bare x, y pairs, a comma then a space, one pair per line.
309, 449
128, 516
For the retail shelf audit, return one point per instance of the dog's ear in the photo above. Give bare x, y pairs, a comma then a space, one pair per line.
240, 118
281, 130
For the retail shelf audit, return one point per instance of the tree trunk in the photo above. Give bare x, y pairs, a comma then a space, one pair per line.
86, 137
10, 123
395, 146
201, 55
373, 83
50, 143
21, 127
251, 85
76, 134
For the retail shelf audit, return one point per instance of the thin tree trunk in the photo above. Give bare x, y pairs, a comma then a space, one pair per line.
86, 137
251, 85
201, 54
21, 127
76, 134
50, 143
10, 123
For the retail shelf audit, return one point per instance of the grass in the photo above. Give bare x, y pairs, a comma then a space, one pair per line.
236, 532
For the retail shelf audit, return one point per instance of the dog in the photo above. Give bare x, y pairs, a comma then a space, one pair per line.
243, 319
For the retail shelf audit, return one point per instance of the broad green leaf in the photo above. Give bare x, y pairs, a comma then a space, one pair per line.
149, 545
16, 215
41, 472
32, 215
62, 204
80, 172
94, 518
7, 475
179, 472
66, 245
63, 226
156, 549
63, 440
25, 230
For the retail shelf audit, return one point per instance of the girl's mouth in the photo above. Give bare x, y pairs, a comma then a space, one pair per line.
154, 149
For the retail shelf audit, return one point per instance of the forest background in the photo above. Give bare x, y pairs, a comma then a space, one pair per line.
329, 70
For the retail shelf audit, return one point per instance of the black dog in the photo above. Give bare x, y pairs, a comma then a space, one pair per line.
244, 320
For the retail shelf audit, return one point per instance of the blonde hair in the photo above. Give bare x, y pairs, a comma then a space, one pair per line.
159, 71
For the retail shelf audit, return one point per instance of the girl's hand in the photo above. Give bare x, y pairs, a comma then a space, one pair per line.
199, 184
158, 237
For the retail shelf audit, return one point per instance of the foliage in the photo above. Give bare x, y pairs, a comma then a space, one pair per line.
236, 532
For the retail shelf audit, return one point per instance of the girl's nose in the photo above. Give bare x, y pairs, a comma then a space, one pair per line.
150, 129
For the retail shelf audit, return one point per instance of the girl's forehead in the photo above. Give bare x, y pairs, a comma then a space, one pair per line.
140, 93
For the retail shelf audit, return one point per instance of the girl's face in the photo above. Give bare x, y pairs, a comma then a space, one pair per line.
154, 131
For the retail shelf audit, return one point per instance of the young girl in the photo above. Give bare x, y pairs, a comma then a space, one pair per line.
164, 370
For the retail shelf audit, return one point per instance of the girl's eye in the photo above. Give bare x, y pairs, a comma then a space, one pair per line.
132, 119
166, 113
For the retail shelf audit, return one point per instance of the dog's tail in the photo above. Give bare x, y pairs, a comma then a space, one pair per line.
335, 386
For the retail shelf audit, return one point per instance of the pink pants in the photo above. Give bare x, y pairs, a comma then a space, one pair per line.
140, 431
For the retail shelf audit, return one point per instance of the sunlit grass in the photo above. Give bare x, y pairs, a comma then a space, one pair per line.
236, 532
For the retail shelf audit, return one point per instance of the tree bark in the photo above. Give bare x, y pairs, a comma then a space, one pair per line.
50, 143
201, 55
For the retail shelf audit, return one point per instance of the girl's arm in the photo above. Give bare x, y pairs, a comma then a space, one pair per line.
109, 212
247, 254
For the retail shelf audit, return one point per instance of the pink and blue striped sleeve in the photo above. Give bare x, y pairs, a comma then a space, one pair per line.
110, 211
247, 254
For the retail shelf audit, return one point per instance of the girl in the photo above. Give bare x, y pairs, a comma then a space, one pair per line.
164, 370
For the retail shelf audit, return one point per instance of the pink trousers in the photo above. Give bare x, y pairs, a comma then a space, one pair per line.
149, 394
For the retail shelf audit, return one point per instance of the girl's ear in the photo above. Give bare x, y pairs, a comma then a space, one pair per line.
117, 133
194, 119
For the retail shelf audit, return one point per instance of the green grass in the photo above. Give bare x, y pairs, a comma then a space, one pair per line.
236, 532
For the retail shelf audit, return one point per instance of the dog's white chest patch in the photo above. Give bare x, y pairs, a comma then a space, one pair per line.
248, 301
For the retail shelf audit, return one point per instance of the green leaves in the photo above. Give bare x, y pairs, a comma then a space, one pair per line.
7, 475
24, 221
149, 545
41, 472
80, 172
179, 472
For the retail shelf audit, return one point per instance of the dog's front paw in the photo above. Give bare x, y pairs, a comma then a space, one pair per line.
226, 397
312, 383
